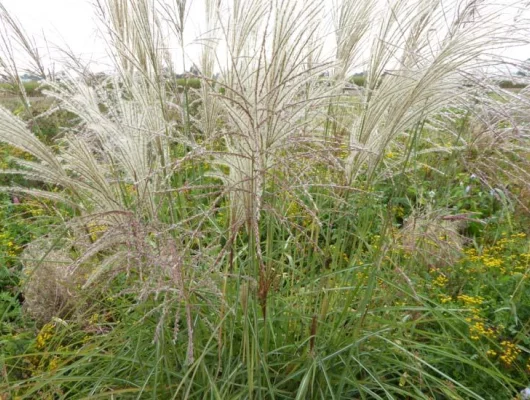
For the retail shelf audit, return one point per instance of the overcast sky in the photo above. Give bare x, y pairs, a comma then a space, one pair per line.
70, 22
74, 23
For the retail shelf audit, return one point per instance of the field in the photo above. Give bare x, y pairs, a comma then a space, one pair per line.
259, 229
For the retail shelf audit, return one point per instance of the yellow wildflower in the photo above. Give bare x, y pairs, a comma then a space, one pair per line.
445, 299
441, 281
45, 334
510, 352
54, 363
470, 300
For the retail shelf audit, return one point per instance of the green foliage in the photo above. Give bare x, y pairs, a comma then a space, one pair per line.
338, 325
181, 84
358, 80
32, 88
512, 85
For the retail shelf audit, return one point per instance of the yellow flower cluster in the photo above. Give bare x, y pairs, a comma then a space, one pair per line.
130, 189
16, 152
491, 353
509, 256
477, 325
498, 258
6, 241
478, 330
492, 262
509, 352
44, 336
440, 281
54, 363
520, 235
445, 299
95, 230
94, 319
296, 210
34, 207
470, 300
472, 255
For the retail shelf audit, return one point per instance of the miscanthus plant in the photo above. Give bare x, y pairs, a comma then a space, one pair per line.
229, 227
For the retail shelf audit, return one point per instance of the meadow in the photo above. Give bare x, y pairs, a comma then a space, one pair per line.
258, 230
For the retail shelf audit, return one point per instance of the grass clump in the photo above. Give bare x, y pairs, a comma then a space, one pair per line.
257, 231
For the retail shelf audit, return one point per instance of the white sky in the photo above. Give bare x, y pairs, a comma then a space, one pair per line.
70, 22
74, 23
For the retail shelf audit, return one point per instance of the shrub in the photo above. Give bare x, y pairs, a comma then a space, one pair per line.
512, 85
